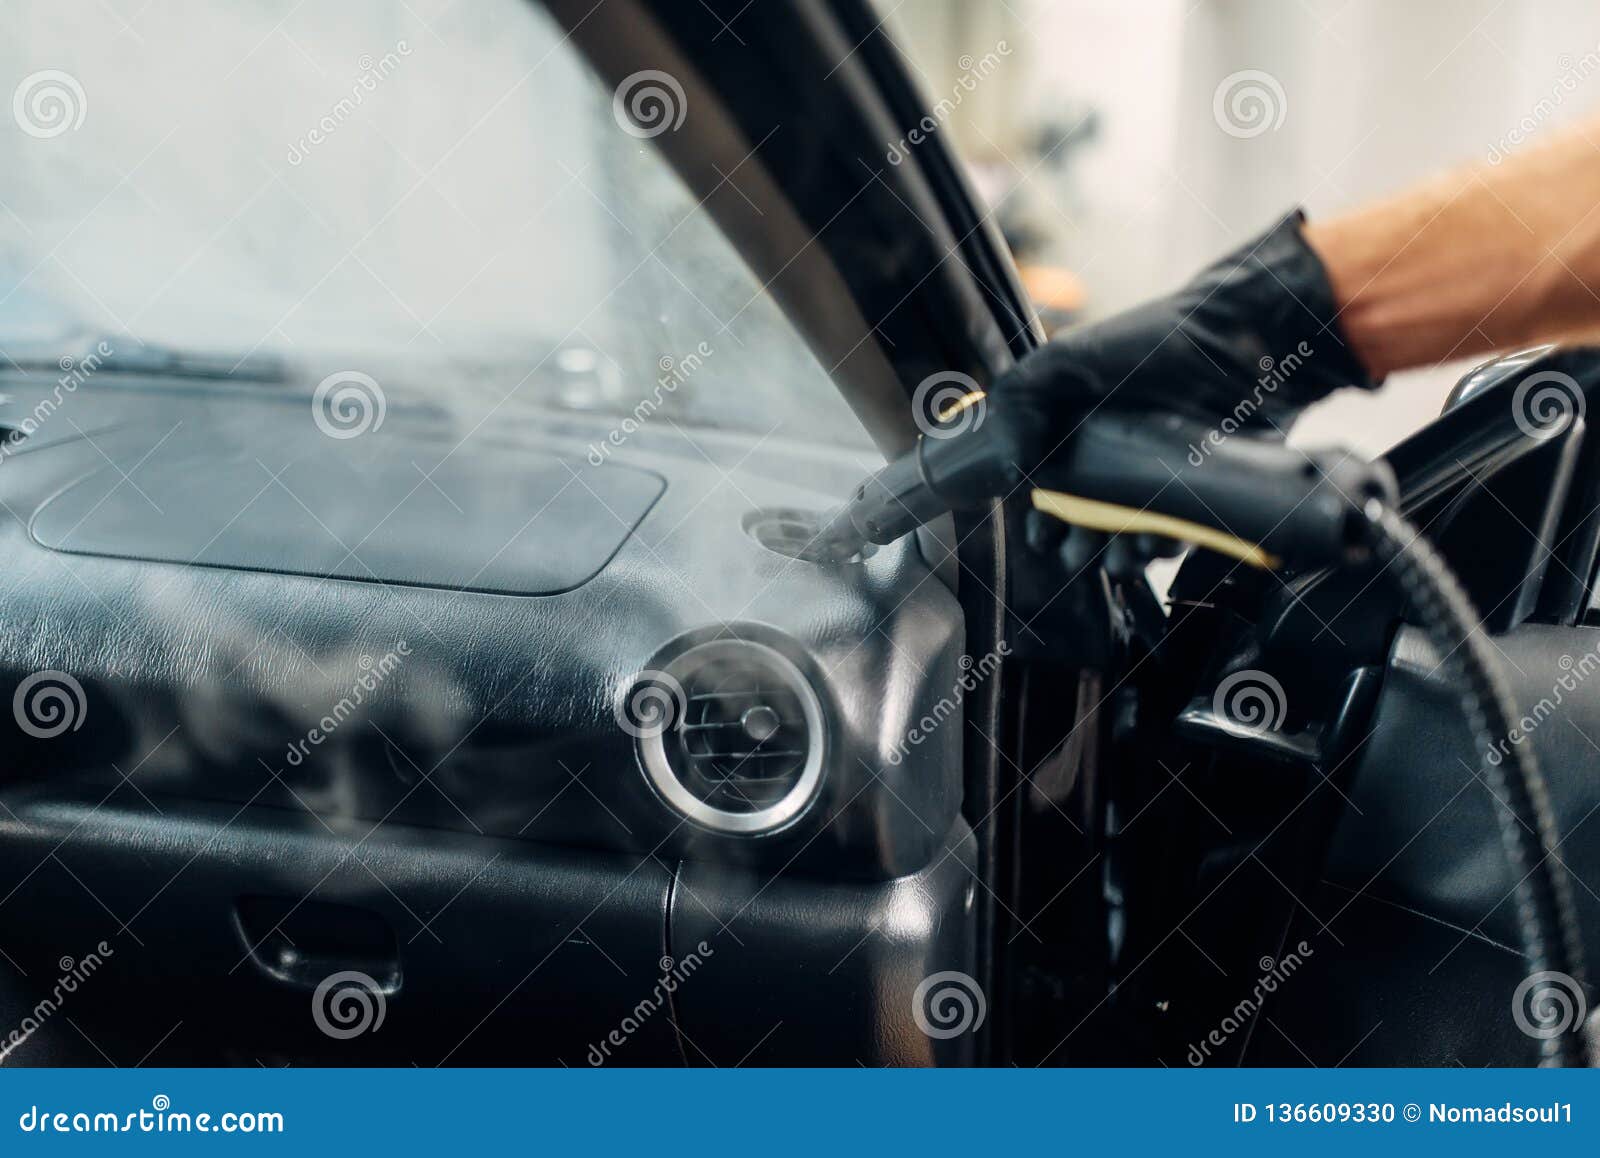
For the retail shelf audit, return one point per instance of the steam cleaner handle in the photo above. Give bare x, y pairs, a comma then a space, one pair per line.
1248, 496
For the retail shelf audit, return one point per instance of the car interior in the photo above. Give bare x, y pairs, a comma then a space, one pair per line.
485, 666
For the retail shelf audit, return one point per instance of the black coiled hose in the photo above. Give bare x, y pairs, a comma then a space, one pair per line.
1545, 916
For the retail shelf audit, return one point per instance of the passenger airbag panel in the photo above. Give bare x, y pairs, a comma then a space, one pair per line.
367, 509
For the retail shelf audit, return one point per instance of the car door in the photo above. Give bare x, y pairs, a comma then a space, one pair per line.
1329, 884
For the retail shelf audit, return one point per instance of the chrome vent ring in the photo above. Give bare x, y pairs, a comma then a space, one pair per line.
744, 750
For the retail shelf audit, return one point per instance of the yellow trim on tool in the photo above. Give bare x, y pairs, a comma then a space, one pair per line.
968, 400
1116, 520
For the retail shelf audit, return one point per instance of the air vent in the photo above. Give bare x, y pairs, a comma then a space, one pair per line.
744, 749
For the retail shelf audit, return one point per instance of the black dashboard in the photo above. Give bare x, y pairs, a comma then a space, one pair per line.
258, 668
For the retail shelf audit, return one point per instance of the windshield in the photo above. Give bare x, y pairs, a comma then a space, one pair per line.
441, 191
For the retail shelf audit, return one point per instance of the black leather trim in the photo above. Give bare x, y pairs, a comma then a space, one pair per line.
1417, 889
501, 714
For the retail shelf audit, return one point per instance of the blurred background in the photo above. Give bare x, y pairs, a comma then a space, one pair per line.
1124, 143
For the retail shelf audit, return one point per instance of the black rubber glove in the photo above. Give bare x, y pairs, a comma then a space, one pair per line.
1246, 345
1249, 343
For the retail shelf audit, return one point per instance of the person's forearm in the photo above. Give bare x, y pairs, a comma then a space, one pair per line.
1481, 259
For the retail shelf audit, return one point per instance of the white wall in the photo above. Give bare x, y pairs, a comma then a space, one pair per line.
1376, 93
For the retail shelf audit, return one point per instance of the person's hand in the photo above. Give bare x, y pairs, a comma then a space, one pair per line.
1249, 342
1246, 345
